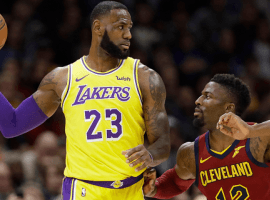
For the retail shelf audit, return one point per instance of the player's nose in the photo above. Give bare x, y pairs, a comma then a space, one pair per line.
199, 101
127, 34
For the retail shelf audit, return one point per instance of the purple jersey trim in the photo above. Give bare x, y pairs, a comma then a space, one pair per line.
68, 87
196, 152
101, 73
110, 184
250, 156
66, 191
136, 81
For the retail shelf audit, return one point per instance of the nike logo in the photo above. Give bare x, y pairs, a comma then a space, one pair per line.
237, 150
202, 161
77, 80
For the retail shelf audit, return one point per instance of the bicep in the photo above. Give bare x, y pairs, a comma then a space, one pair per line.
154, 95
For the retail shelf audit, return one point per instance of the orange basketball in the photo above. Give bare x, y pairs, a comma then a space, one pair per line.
3, 31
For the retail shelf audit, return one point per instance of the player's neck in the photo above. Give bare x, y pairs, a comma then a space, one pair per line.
100, 61
218, 141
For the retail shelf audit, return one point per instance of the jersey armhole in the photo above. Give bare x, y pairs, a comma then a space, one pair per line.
196, 152
250, 156
136, 79
67, 88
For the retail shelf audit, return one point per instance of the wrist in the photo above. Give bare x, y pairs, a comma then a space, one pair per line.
151, 157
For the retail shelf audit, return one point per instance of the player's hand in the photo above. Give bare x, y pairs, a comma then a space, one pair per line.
149, 187
237, 128
138, 155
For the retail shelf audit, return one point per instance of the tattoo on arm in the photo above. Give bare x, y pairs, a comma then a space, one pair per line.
158, 95
50, 79
257, 148
155, 116
46, 96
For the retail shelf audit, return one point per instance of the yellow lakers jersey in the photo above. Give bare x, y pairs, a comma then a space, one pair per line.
104, 116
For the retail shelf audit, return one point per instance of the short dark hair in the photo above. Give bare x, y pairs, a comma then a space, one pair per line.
103, 8
237, 90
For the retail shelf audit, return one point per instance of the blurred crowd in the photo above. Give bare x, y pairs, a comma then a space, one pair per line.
185, 41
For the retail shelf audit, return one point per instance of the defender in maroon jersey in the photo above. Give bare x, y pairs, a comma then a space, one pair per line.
223, 168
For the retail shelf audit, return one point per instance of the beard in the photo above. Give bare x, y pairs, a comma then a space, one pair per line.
111, 48
198, 122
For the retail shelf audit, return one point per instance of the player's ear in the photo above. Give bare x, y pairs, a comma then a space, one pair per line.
97, 27
230, 107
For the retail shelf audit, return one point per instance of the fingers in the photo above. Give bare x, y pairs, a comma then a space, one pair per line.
131, 151
135, 157
152, 173
224, 119
138, 156
144, 165
149, 181
227, 119
225, 131
152, 182
143, 161
149, 188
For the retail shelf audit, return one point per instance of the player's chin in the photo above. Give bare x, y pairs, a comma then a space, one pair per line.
198, 122
125, 53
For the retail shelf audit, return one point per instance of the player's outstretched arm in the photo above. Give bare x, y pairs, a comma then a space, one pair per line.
239, 129
34, 110
156, 120
174, 181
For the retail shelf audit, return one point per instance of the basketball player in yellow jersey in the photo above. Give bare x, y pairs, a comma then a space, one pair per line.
109, 100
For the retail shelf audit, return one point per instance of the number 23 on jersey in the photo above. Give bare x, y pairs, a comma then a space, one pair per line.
113, 115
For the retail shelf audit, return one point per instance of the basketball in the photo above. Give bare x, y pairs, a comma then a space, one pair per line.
3, 31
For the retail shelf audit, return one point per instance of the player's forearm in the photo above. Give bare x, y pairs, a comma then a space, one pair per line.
14, 122
158, 133
169, 185
260, 129
160, 151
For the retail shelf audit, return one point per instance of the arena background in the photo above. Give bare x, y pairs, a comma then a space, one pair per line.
186, 42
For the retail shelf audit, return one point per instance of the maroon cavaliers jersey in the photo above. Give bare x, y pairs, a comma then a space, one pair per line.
232, 175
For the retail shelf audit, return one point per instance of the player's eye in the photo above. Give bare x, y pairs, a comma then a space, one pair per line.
121, 27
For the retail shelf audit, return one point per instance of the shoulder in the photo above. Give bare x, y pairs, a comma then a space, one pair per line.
186, 164
54, 75
186, 152
260, 148
55, 80
150, 82
144, 71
